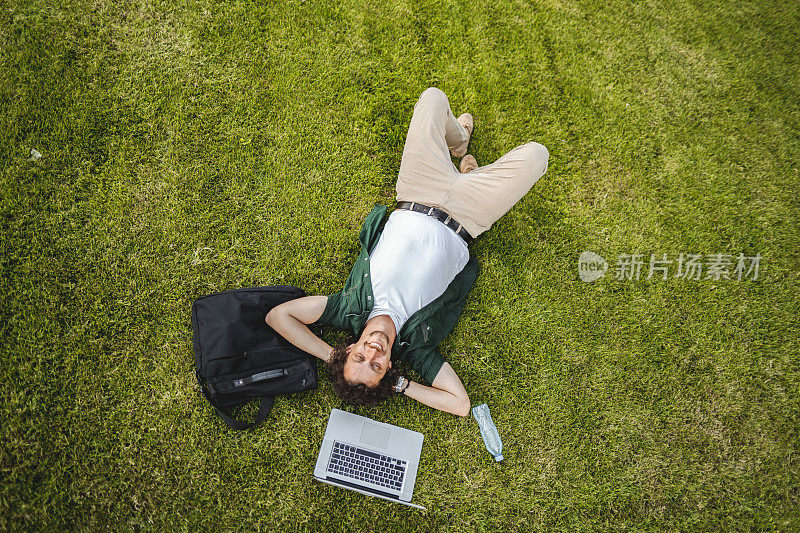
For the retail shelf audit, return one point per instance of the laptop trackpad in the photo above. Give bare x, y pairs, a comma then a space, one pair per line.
375, 435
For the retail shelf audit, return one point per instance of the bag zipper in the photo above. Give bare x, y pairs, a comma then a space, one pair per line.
244, 354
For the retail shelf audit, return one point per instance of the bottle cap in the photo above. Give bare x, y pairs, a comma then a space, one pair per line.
498, 458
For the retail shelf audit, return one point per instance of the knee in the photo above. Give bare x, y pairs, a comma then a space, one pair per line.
433, 94
538, 155
538, 151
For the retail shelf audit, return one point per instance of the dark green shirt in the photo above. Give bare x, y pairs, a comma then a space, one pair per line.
417, 341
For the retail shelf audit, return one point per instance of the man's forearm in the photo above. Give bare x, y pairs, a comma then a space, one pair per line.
296, 332
438, 399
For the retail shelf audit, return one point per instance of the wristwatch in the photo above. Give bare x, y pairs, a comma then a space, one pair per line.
398, 387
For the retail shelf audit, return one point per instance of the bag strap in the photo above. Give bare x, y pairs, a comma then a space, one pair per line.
263, 411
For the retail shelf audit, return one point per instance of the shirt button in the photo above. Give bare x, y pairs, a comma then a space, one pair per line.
365, 275
369, 297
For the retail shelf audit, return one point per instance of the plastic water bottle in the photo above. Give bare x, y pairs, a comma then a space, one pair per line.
488, 431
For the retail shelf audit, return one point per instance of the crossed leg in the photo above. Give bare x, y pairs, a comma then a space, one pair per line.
428, 176
478, 199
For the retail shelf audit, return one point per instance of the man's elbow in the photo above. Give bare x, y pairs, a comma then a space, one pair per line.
463, 407
270, 318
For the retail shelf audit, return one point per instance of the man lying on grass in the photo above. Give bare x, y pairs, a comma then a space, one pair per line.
410, 281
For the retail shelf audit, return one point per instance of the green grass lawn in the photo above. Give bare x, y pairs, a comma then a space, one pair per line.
195, 146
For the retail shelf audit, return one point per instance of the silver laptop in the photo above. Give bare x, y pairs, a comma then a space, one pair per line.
369, 457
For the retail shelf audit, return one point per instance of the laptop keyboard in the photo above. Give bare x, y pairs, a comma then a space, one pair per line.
364, 465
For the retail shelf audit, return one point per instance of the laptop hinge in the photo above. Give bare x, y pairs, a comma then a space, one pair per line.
362, 487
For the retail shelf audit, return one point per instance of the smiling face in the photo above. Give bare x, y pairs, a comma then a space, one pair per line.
368, 358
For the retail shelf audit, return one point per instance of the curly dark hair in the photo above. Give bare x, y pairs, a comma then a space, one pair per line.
357, 393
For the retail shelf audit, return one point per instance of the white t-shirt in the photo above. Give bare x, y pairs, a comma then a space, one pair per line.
414, 261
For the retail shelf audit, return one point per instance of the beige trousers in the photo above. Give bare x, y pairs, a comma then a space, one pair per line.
476, 199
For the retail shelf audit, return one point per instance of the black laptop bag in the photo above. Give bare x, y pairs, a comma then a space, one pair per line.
239, 357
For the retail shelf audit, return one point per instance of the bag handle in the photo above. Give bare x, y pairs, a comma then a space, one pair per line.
263, 411
247, 380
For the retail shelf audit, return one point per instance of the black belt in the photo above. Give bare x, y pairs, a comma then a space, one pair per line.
439, 215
